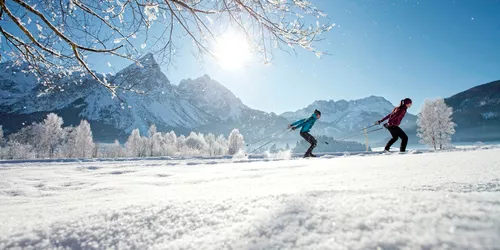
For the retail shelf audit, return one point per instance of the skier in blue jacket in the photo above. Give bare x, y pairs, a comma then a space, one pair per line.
306, 125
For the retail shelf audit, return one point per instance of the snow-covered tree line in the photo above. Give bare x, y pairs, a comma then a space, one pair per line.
169, 144
435, 125
49, 139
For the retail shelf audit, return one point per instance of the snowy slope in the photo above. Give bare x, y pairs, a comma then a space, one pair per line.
83, 98
425, 201
477, 112
218, 101
160, 104
15, 84
212, 97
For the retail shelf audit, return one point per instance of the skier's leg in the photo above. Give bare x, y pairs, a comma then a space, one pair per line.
404, 139
393, 139
313, 142
309, 138
305, 136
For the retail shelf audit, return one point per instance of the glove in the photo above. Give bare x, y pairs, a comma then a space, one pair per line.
386, 125
378, 122
294, 128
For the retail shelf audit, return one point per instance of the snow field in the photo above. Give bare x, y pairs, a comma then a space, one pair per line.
447, 200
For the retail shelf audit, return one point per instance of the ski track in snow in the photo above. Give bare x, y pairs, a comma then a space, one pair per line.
448, 200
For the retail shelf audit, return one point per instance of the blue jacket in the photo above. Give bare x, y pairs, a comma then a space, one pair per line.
306, 124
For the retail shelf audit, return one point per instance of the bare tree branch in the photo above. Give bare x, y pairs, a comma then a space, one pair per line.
56, 36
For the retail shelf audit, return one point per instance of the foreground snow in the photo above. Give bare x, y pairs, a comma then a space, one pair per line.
429, 201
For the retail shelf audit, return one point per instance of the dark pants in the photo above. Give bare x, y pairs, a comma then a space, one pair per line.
309, 138
396, 133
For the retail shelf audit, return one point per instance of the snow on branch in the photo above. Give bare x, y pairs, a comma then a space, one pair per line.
56, 37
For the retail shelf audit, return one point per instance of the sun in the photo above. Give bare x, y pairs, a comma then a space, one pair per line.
232, 51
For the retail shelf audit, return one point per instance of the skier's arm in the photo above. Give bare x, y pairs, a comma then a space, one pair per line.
385, 118
298, 123
303, 121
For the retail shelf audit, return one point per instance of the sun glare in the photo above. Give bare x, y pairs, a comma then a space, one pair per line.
232, 51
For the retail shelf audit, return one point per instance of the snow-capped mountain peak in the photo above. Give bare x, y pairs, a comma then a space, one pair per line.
145, 76
212, 97
157, 101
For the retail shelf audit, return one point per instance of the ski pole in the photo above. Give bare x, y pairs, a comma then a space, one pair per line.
368, 132
354, 134
270, 141
374, 130
266, 137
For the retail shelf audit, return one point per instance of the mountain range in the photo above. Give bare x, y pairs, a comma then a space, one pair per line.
200, 104
477, 113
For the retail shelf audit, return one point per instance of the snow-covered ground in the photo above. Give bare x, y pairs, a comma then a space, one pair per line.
447, 200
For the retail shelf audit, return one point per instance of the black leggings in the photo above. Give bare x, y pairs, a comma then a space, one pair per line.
396, 133
309, 138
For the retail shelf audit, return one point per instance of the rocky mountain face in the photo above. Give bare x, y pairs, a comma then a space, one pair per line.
23, 101
201, 104
204, 105
477, 113
229, 111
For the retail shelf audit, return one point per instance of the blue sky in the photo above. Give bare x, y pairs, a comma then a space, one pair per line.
395, 49
391, 48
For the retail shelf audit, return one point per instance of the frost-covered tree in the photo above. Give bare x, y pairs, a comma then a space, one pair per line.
236, 142
68, 148
116, 150
196, 143
211, 141
181, 144
55, 38
222, 145
2, 140
136, 145
169, 143
287, 147
83, 140
96, 151
53, 134
31, 135
50, 139
155, 143
435, 125
16, 150
152, 130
